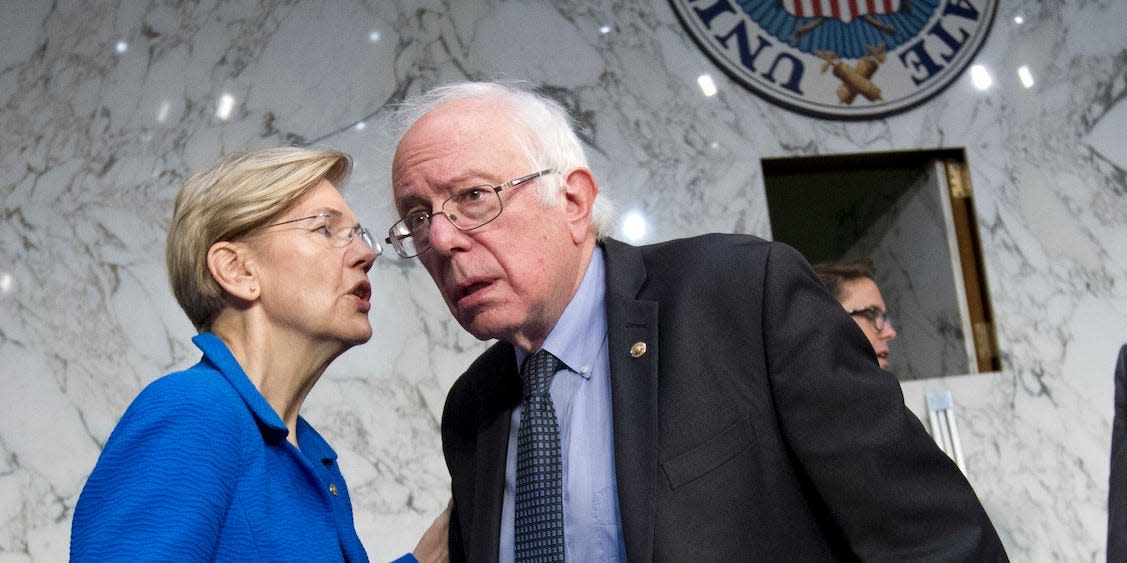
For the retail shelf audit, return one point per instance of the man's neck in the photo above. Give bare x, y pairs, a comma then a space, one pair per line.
531, 338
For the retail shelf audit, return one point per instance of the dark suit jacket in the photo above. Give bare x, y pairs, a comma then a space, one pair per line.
1117, 478
757, 426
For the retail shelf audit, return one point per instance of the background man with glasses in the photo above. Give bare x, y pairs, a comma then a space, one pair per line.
852, 284
699, 399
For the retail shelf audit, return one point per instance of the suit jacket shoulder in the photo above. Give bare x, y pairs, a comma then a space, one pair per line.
489, 386
758, 426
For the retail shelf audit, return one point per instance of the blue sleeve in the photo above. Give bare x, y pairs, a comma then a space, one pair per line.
409, 558
164, 480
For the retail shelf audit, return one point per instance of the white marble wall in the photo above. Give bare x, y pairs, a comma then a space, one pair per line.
106, 107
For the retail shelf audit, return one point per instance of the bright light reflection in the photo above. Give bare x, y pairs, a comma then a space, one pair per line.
604, 29
360, 125
6, 283
374, 37
121, 47
1019, 20
980, 77
1025, 76
226, 104
633, 227
162, 113
706, 85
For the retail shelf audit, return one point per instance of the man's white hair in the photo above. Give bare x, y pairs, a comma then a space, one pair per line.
542, 127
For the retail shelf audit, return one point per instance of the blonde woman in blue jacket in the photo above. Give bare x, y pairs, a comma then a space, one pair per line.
215, 462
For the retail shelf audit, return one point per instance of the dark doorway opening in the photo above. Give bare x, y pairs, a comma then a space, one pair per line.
911, 215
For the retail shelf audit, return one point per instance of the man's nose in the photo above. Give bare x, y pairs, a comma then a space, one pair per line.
444, 237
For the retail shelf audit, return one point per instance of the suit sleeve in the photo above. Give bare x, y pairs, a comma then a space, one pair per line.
892, 492
456, 547
457, 438
164, 480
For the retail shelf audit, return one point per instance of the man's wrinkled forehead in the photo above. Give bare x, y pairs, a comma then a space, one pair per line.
465, 117
453, 146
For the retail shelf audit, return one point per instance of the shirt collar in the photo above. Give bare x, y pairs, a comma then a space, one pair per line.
578, 335
312, 444
216, 353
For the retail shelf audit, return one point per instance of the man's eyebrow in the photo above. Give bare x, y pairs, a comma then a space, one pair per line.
867, 309
410, 201
472, 178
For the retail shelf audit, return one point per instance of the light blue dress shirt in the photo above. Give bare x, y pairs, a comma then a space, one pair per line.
581, 395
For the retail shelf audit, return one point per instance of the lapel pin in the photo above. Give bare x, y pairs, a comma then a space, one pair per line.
638, 350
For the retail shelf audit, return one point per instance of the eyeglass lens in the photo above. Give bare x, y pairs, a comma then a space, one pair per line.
342, 233
878, 317
468, 209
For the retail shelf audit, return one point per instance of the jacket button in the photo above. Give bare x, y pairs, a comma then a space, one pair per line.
333, 489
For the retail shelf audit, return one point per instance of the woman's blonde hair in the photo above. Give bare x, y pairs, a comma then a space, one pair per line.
242, 193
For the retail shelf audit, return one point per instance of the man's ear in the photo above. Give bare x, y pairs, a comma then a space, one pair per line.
227, 262
580, 190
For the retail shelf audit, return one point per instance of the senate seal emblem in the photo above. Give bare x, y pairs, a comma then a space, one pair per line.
843, 59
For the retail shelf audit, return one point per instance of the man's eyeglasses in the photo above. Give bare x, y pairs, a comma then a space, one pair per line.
467, 209
338, 232
876, 315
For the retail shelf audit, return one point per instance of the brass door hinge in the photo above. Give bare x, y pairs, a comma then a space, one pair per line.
956, 183
985, 344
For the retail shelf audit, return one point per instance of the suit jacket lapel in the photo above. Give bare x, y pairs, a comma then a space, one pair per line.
489, 465
634, 381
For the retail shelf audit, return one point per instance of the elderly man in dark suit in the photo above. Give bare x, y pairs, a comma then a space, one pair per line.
697, 400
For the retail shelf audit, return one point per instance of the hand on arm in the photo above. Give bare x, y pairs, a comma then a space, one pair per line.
433, 547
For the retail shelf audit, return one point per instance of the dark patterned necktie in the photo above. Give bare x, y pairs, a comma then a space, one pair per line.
539, 527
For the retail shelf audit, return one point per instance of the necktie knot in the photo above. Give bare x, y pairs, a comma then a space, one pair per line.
537, 372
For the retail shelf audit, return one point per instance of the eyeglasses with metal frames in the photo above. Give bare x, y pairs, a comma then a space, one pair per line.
338, 232
468, 209
876, 315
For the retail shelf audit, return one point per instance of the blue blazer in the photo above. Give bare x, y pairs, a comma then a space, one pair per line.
198, 468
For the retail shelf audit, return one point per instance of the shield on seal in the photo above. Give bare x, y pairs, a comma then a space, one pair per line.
844, 10
784, 50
